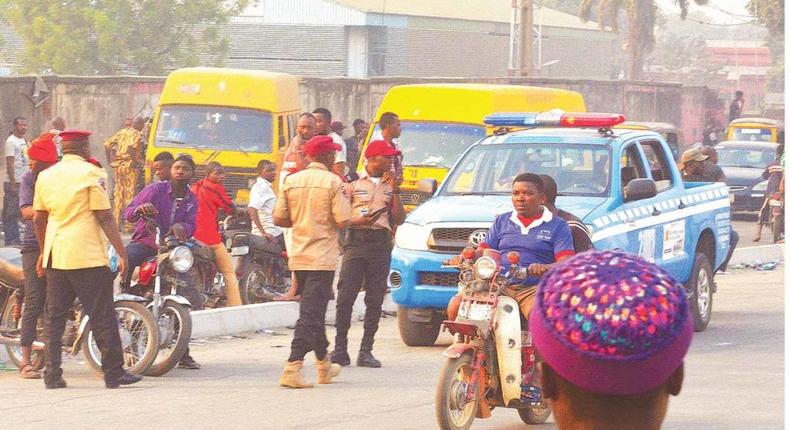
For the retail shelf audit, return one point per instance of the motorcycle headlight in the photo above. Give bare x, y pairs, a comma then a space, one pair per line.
761, 187
181, 259
412, 236
485, 267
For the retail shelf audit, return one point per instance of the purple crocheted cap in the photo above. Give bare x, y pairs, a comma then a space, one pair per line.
611, 323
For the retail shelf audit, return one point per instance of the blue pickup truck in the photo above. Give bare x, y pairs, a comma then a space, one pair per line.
623, 184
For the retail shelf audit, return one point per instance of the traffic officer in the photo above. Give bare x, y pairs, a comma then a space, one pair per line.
376, 205
73, 221
312, 202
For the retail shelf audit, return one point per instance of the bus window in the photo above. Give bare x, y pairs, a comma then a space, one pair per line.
281, 131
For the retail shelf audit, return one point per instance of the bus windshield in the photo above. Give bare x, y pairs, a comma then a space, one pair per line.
579, 170
215, 128
435, 144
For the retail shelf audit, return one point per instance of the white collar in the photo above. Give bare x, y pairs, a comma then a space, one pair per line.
544, 218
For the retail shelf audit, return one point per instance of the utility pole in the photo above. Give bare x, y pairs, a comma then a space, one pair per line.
521, 25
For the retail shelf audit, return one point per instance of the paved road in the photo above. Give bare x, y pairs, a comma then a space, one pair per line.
734, 380
745, 223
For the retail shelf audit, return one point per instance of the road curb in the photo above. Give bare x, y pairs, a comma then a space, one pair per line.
262, 316
758, 253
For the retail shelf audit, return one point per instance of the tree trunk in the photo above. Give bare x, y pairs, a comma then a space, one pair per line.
634, 47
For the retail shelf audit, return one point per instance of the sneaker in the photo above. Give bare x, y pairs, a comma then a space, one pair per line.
188, 363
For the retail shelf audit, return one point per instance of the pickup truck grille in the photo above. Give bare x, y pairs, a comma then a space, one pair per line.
450, 239
413, 198
439, 279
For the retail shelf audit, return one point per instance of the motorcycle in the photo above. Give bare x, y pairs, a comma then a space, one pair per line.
777, 206
136, 325
262, 267
158, 282
492, 362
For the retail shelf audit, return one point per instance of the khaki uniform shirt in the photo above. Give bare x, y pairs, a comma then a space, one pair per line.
126, 143
70, 191
370, 193
314, 201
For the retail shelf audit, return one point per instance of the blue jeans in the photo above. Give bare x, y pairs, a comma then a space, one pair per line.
11, 215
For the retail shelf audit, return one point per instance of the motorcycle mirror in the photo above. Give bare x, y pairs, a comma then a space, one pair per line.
513, 257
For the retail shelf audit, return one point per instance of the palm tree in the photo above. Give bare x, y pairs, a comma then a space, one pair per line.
641, 20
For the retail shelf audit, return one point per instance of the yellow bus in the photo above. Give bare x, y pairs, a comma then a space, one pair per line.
235, 117
440, 121
754, 130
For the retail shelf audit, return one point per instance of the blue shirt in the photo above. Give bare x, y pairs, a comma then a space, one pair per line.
545, 240
27, 189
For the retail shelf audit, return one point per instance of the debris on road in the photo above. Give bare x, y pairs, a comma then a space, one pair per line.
757, 265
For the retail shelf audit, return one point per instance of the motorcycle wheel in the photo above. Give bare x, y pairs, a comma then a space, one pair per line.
453, 412
537, 414
175, 330
14, 351
139, 338
259, 285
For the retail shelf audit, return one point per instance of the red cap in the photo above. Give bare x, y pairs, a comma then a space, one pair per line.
320, 145
43, 148
74, 135
380, 147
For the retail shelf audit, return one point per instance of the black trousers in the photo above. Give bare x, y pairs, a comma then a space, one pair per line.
315, 287
93, 287
35, 295
366, 259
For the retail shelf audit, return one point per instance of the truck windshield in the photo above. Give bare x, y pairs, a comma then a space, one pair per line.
215, 128
434, 144
579, 170
752, 134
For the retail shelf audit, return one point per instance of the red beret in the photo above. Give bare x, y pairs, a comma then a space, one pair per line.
320, 145
74, 135
380, 147
43, 148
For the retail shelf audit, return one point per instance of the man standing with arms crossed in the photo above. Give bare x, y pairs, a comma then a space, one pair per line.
73, 222
323, 126
312, 203
376, 205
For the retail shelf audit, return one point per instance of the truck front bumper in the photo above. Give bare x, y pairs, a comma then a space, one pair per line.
417, 279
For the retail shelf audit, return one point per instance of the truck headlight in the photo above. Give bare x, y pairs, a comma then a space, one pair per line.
181, 259
762, 187
485, 267
412, 236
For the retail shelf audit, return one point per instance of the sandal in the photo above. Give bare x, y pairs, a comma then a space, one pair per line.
27, 371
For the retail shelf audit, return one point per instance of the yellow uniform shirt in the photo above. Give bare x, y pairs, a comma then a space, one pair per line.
70, 191
371, 194
313, 200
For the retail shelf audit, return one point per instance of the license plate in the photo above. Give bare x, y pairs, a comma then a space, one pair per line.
775, 203
732, 198
239, 250
479, 312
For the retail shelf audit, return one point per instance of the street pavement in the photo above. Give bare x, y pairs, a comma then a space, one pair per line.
734, 380
745, 223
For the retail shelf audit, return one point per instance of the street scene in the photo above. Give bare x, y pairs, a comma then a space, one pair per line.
561, 214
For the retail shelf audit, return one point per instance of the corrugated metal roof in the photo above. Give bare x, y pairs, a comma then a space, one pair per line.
472, 10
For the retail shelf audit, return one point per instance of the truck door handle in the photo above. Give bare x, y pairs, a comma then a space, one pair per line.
656, 212
682, 205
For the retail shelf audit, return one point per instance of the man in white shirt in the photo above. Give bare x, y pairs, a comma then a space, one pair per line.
323, 126
16, 166
261, 206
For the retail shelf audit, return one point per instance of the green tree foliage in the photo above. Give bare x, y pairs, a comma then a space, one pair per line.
771, 13
88, 37
641, 19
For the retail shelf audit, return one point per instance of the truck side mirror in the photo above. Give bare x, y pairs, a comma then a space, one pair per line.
639, 189
427, 186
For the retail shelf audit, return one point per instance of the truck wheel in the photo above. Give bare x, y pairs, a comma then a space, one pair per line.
415, 333
700, 291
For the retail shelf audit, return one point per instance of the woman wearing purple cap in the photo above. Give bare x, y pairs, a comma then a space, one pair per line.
612, 330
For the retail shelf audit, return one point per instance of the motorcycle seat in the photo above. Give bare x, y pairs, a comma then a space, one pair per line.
11, 267
260, 244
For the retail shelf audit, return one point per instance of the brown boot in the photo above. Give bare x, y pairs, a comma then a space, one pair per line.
327, 370
292, 376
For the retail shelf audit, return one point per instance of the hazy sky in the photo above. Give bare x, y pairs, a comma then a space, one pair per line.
716, 10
